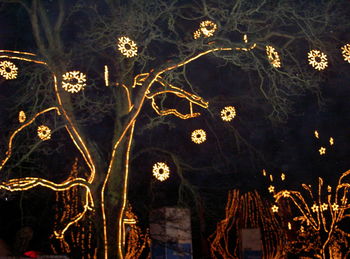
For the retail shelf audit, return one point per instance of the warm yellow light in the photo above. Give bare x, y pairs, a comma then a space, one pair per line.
335, 207
44, 132
346, 52
197, 34
273, 56
283, 176
316, 134
8, 70
317, 59
314, 208
127, 47
274, 208
208, 28
289, 226
161, 171
22, 116
228, 113
271, 177
331, 141
322, 151
73, 81
198, 136
285, 194
324, 206
264, 172
106, 76
271, 188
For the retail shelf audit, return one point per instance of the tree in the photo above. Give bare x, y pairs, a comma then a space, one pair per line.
235, 34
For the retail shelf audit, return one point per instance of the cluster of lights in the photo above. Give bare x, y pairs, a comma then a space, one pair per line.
322, 150
228, 113
73, 81
317, 59
346, 52
127, 47
161, 171
206, 28
273, 56
44, 132
198, 136
8, 70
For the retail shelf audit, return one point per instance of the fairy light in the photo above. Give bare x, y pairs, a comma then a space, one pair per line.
283, 177
198, 136
273, 56
228, 113
274, 208
335, 207
264, 172
208, 28
322, 151
44, 132
331, 141
197, 34
271, 188
271, 178
316, 134
22, 116
73, 81
161, 171
317, 59
8, 70
106, 75
127, 47
324, 206
289, 226
346, 52
314, 208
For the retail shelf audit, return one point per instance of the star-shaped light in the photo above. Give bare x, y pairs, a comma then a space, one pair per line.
274, 209
322, 151
271, 188
324, 206
314, 208
335, 207
286, 194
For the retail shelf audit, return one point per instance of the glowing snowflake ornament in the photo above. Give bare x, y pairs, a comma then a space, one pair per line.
8, 70
44, 132
198, 136
73, 81
22, 117
208, 28
127, 47
161, 171
346, 52
273, 56
228, 113
317, 59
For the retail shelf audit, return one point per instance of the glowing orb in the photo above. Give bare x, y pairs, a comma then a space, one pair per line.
273, 56
161, 171
208, 28
346, 52
322, 151
198, 136
22, 117
127, 47
228, 113
317, 59
44, 132
8, 70
73, 81
274, 209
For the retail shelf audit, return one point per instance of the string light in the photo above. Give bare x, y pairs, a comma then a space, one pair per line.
316, 134
161, 171
322, 151
314, 208
208, 28
198, 136
317, 59
283, 176
22, 116
127, 47
44, 132
331, 141
346, 52
73, 81
8, 70
273, 56
271, 188
228, 113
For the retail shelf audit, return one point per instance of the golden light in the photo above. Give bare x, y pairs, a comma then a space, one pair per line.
8, 70
198, 136
228, 113
289, 226
208, 28
273, 56
324, 206
22, 116
264, 172
317, 59
335, 207
314, 208
274, 209
316, 134
44, 132
161, 171
285, 194
127, 47
271, 188
331, 141
197, 34
73, 81
283, 176
346, 52
106, 75
271, 178
322, 151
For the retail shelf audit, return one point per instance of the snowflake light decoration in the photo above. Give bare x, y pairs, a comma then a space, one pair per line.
197, 34
317, 59
346, 52
198, 136
208, 28
74, 81
22, 117
44, 132
127, 47
8, 70
273, 56
161, 171
228, 113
